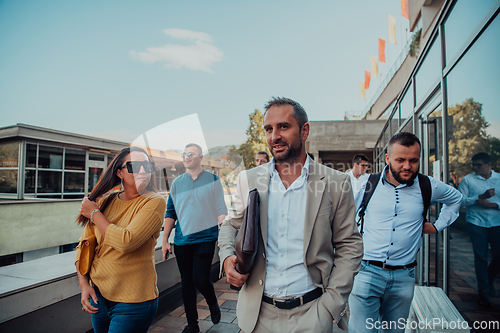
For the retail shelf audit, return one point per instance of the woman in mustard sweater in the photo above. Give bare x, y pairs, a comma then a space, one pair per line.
120, 290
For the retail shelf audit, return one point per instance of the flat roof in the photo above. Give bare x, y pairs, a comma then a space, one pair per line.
24, 131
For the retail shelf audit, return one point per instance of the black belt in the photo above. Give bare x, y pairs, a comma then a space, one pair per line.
389, 267
291, 303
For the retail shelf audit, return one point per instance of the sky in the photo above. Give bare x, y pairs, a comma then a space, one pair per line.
116, 69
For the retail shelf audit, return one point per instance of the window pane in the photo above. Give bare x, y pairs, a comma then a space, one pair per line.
49, 181
8, 181
388, 112
406, 106
462, 21
73, 196
429, 73
29, 183
394, 124
387, 135
96, 157
408, 127
49, 196
473, 101
74, 159
110, 158
30, 155
74, 182
50, 157
94, 174
9, 155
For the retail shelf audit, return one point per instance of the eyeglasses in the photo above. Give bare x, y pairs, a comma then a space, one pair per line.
189, 155
365, 165
135, 166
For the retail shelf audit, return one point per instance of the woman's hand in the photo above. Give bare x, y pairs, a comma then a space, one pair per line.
87, 293
87, 207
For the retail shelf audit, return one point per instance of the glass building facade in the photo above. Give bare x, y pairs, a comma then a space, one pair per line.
449, 103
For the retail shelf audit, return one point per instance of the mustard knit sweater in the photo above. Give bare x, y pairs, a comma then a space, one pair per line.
123, 268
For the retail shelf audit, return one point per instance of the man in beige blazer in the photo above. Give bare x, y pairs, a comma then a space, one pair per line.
319, 250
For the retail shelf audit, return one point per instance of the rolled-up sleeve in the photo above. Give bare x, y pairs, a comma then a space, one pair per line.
171, 208
219, 198
451, 200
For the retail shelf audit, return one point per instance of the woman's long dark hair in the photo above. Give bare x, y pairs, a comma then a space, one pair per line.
110, 180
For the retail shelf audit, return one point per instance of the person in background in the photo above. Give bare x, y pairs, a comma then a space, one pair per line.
261, 157
483, 222
120, 291
196, 201
358, 172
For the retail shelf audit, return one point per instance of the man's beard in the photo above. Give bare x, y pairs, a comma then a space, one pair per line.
400, 179
292, 154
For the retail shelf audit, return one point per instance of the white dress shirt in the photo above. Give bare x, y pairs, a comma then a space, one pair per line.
393, 219
286, 274
471, 187
356, 184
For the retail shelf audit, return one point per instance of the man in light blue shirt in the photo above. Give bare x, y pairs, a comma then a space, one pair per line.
196, 201
483, 222
393, 225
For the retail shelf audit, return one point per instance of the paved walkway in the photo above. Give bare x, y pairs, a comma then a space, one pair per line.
175, 321
463, 294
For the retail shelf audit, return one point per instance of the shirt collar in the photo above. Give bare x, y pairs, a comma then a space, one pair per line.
188, 175
304, 172
386, 169
492, 176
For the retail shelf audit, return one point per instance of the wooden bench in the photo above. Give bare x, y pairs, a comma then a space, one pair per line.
432, 311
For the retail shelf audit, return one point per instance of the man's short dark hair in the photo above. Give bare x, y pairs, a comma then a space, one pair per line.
406, 139
483, 157
263, 153
198, 148
359, 158
299, 113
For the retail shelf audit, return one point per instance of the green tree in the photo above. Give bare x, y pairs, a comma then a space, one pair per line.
469, 138
256, 140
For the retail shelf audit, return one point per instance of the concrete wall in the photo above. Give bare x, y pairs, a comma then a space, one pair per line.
44, 295
28, 225
343, 135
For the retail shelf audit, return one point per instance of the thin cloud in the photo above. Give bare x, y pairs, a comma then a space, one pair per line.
187, 34
200, 56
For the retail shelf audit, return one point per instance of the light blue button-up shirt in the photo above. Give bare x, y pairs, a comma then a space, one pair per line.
393, 219
471, 187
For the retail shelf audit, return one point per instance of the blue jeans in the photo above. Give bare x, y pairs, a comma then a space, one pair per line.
480, 238
380, 299
116, 317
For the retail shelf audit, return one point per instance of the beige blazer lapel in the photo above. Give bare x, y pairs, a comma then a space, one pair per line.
315, 188
262, 185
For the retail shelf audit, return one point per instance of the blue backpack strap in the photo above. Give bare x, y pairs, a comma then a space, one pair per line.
426, 190
371, 184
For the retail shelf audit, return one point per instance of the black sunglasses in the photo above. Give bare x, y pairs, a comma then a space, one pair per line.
135, 166
189, 155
